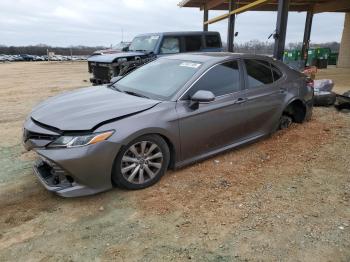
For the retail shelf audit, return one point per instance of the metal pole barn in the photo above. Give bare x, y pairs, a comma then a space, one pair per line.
307, 34
281, 28
231, 27
205, 18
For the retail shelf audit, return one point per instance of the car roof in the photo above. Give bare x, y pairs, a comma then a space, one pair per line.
213, 57
181, 33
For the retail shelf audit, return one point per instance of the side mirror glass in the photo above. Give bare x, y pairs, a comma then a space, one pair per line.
202, 96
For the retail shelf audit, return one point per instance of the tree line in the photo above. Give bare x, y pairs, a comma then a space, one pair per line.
253, 47
260, 47
42, 50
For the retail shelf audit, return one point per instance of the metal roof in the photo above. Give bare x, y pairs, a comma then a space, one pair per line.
318, 6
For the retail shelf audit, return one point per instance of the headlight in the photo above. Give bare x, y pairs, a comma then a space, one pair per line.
76, 141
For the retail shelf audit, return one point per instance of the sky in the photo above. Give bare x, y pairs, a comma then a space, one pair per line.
101, 22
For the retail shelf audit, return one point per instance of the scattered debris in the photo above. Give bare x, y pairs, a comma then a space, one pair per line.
343, 102
324, 98
323, 85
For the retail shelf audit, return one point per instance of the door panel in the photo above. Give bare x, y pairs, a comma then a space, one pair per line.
212, 125
262, 109
264, 98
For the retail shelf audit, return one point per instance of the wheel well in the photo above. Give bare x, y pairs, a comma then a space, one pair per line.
296, 110
171, 150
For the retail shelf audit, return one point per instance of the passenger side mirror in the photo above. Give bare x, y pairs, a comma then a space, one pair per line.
201, 96
125, 49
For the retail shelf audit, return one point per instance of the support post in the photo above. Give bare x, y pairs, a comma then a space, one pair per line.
281, 29
307, 34
205, 18
344, 51
231, 27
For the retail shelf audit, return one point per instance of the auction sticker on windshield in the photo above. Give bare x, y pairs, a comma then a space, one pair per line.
154, 37
192, 65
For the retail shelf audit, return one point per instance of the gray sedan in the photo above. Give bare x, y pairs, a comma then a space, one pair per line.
166, 114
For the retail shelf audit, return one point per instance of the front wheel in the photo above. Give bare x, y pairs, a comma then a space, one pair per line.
141, 163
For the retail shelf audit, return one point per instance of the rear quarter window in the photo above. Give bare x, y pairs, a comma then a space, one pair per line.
170, 45
276, 72
212, 41
193, 43
258, 73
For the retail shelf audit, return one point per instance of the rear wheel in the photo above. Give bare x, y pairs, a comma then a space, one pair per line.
285, 122
141, 163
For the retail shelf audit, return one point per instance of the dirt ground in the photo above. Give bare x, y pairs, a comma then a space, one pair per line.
285, 198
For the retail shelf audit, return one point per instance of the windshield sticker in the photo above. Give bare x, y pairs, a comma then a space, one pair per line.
192, 65
154, 37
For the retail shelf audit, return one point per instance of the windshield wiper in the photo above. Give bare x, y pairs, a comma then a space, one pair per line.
135, 94
115, 88
138, 50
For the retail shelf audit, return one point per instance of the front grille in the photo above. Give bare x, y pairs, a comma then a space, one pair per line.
37, 136
100, 72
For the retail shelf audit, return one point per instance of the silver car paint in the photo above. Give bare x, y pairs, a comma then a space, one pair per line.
191, 134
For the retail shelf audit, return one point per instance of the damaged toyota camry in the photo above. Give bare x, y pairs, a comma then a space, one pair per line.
166, 114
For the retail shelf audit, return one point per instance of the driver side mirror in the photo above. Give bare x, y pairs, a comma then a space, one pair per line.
201, 96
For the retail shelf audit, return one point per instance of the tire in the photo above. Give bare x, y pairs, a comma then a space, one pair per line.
133, 168
324, 98
285, 122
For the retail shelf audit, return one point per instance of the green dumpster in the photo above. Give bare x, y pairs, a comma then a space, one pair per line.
311, 57
323, 53
322, 57
292, 55
333, 58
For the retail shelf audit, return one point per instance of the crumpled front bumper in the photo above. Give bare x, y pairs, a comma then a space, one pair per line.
71, 172
77, 171
60, 183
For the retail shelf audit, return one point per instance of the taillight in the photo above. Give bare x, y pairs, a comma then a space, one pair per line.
310, 82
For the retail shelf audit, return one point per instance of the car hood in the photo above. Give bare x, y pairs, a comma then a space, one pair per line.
86, 108
109, 58
107, 51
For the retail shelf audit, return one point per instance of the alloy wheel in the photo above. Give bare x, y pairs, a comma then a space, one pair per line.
141, 162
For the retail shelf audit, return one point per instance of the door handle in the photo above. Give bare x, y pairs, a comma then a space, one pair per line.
241, 100
283, 90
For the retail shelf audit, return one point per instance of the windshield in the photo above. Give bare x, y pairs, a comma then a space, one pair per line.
144, 43
159, 79
120, 45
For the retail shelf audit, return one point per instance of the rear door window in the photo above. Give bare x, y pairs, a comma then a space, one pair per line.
170, 45
193, 43
212, 41
220, 80
258, 73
